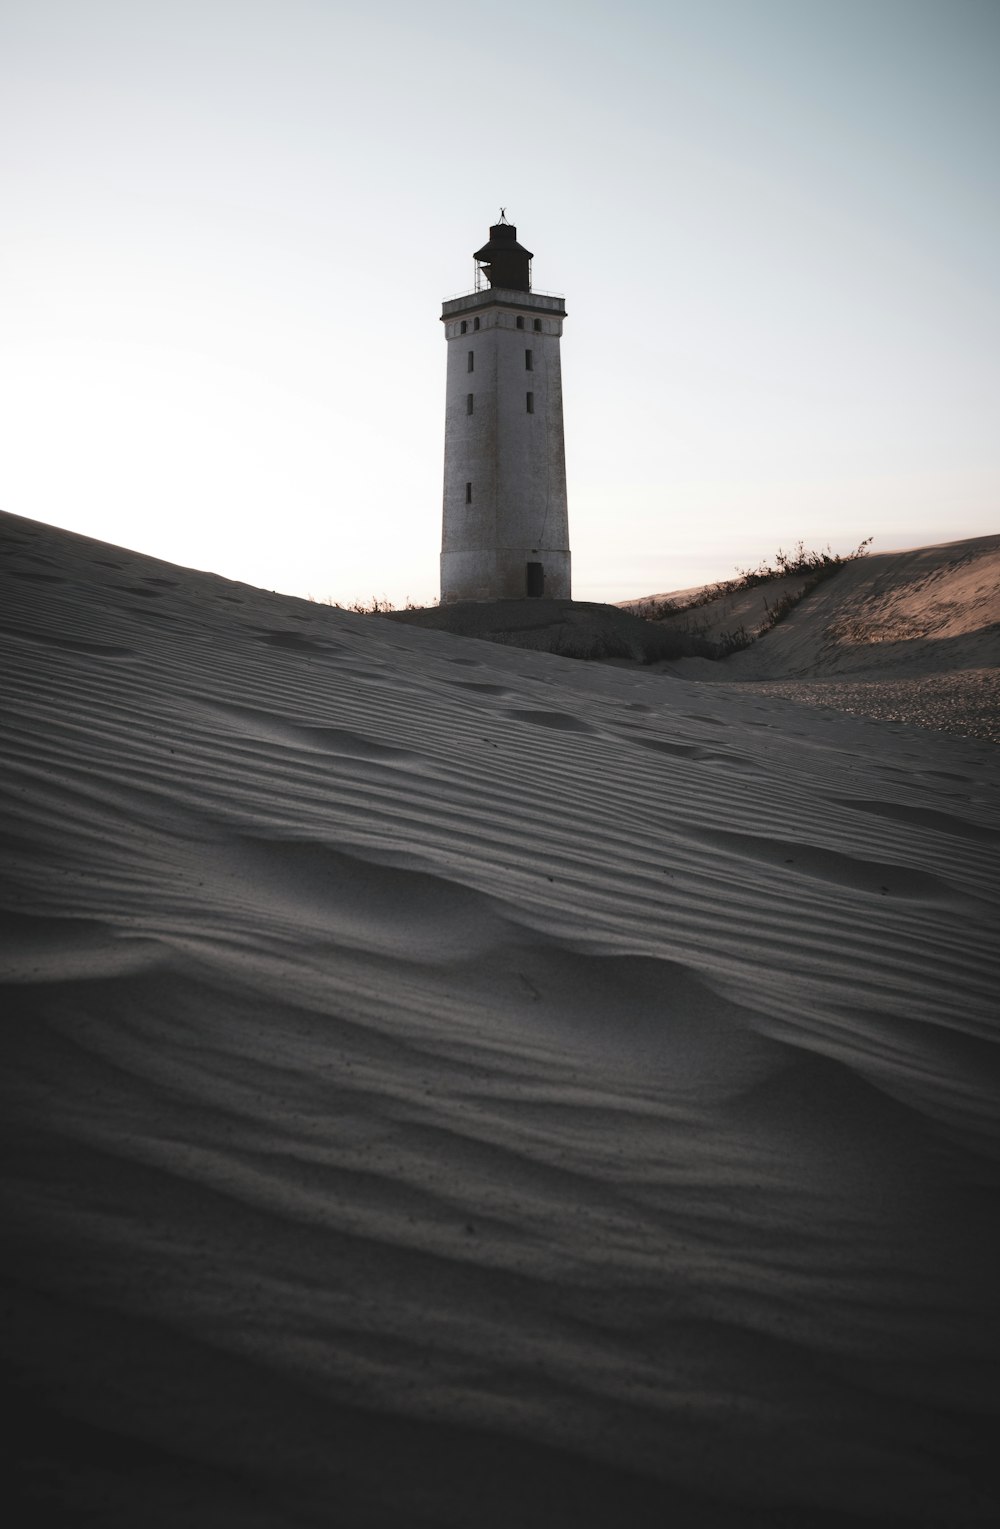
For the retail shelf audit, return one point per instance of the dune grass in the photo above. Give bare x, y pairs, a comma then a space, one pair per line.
817, 566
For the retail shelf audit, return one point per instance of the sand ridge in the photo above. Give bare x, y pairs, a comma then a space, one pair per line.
449, 1084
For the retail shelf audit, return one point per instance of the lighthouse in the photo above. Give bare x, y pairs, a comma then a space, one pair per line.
505, 524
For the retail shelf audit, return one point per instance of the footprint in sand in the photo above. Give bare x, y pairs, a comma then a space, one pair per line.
559, 721
333, 740
68, 644
480, 687
919, 817
149, 615
693, 751
294, 642
875, 877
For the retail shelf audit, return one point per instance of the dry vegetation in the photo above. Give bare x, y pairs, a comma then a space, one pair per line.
375, 606
814, 566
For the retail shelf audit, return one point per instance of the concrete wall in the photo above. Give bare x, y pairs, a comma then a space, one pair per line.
514, 460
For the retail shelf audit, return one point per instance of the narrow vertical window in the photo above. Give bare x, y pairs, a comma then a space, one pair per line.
475, 323
472, 361
520, 322
529, 361
464, 326
468, 403
538, 324
468, 493
530, 401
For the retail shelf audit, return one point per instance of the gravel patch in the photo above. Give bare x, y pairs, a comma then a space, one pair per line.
966, 702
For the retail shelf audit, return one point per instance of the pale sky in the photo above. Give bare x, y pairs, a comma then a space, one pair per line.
227, 227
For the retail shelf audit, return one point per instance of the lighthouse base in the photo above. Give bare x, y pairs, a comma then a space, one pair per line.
510, 573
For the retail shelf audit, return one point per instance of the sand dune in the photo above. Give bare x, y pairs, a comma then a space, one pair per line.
445, 1084
910, 637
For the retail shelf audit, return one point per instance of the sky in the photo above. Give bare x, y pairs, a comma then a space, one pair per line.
227, 227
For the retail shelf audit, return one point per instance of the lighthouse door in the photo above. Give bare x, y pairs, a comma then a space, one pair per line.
534, 580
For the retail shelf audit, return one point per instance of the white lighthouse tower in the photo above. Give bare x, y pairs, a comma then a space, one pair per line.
505, 522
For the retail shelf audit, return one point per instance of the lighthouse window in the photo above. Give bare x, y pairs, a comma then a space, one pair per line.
530, 402
468, 493
520, 322
468, 403
472, 361
538, 324
529, 361
464, 326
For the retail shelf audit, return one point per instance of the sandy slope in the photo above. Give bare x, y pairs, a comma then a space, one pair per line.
725, 614
450, 1085
910, 637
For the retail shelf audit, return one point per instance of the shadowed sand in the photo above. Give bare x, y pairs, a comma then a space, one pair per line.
445, 1084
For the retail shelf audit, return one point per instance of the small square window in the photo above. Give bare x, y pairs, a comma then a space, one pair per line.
472, 361
531, 403
538, 325
520, 322
468, 493
464, 326
529, 361
475, 323
468, 403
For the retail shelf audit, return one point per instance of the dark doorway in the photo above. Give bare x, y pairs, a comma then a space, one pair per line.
535, 579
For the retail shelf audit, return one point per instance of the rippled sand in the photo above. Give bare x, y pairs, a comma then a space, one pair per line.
448, 1085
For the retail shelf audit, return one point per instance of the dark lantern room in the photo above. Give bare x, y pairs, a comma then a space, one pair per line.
505, 262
